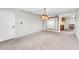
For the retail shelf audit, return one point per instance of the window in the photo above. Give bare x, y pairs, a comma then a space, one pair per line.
52, 23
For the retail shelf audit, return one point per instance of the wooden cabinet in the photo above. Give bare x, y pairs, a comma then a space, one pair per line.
61, 27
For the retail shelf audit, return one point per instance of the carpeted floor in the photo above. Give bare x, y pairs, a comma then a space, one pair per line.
44, 40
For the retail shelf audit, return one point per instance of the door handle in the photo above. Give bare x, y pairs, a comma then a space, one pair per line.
13, 27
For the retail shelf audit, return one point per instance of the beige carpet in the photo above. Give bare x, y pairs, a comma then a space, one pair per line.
44, 40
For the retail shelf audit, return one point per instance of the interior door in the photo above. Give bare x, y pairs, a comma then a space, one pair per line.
11, 25
7, 21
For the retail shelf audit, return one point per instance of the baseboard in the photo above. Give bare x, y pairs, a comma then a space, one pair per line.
24, 35
19, 36
52, 30
76, 36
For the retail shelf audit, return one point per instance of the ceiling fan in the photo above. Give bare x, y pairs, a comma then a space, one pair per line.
44, 15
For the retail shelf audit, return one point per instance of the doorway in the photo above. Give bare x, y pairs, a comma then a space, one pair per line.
52, 24
67, 23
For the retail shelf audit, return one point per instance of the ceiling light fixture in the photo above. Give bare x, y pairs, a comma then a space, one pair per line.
44, 16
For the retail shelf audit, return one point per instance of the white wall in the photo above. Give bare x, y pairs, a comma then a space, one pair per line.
77, 24
31, 23
13, 17
7, 21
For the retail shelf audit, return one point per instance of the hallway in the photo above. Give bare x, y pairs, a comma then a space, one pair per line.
44, 40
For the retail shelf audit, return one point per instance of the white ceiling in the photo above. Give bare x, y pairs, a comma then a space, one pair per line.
53, 11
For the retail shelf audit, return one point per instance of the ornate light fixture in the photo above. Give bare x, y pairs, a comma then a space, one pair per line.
44, 16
